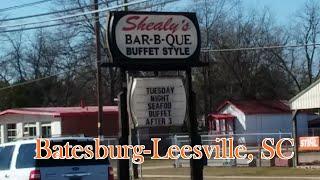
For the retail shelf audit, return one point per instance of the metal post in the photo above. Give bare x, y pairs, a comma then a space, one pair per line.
135, 141
125, 7
175, 141
205, 88
139, 143
295, 137
195, 164
123, 164
259, 151
98, 63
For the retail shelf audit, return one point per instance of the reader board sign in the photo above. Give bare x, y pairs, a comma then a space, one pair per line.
155, 102
151, 37
309, 143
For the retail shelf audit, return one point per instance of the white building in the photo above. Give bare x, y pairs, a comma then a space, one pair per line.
56, 121
309, 98
248, 117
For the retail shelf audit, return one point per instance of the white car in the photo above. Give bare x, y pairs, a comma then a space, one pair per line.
17, 163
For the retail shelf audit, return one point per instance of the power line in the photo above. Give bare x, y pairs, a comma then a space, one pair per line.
76, 15
50, 13
202, 50
57, 74
39, 79
75, 21
153, 5
24, 5
43, 26
259, 48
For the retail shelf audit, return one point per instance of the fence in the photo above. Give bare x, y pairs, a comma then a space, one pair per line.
109, 140
251, 141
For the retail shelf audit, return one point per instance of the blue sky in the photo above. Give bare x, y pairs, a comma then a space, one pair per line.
281, 10
23, 11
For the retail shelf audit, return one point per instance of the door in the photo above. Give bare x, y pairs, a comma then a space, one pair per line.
25, 162
6, 153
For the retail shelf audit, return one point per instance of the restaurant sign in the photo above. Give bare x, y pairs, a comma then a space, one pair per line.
151, 37
157, 102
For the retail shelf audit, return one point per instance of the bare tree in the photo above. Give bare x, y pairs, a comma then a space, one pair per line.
241, 74
309, 21
16, 54
302, 65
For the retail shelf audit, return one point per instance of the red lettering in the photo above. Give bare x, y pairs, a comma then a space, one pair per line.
185, 27
132, 25
167, 24
149, 26
142, 24
137, 23
170, 26
158, 26
174, 27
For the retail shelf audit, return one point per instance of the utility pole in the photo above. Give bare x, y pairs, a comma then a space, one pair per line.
295, 138
98, 63
125, 7
196, 165
133, 166
123, 164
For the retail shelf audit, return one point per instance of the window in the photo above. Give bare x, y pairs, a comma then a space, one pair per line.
27, 152
11, 132
61, 162
46, 130
30, 129
1, 134
25, 157
5, 157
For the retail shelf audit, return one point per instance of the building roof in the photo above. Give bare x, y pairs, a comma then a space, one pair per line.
221, 116
309, 98
60, 111
259, 107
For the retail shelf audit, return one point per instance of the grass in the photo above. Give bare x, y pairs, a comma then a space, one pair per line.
165, 167
158, 167
239, 171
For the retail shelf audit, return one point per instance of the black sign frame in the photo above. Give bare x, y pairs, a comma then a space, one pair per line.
120, 60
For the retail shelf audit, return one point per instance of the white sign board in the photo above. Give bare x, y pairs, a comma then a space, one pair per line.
148, 36
158, 102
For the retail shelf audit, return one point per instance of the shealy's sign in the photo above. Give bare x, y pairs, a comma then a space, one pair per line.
151, 36
157, 102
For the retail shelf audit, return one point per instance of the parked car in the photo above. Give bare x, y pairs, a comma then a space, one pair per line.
17, 163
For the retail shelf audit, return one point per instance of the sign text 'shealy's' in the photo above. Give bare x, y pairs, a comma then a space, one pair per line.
139, 23
156, 36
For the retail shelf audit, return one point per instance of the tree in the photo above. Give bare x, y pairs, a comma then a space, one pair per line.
241, 74
302, 64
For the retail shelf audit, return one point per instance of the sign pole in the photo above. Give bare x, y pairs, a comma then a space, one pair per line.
195, 164
295, 137
98, 63
123, 164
